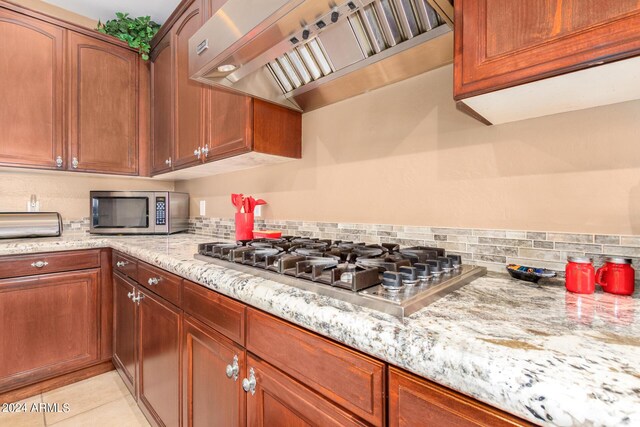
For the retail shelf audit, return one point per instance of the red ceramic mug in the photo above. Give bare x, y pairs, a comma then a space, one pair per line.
580, 275
616, 276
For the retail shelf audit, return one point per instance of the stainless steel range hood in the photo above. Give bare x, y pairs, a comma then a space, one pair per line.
305, 54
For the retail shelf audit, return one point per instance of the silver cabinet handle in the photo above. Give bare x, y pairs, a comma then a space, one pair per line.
197, 152
249, 385
168, 162
121, 263
39, 264
138, 298
131, 294
234, 369
205, 151
153, 281
59, 161
74, 163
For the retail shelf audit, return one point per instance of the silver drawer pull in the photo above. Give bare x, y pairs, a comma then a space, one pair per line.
138, 298
121, 263
131, 295
153, 281
39, 264
234, 369
249, 384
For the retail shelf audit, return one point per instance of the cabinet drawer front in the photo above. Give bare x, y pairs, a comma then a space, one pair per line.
53, 262
125, 265
415, 401
217, 311
354, 381
160, 282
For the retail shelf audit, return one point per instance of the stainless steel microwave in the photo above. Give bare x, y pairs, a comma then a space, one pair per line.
138, 212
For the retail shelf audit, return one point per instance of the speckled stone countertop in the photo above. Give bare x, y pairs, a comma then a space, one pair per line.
535, 351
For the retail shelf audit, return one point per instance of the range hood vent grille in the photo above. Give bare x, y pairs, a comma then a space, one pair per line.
306, 54
379, 25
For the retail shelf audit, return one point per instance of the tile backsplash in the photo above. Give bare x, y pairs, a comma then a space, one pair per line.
489, 248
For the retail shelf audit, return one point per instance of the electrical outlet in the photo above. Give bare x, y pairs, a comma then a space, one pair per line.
257, 211
33, 205
203, 208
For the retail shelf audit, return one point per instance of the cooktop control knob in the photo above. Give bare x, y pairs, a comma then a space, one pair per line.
409, 275
424, 271
446, 263
392, 281
436, 268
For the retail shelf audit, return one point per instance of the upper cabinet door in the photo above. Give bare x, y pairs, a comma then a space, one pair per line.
103, 106
502, 43
31, 90
189, 95
230, 124
162, 110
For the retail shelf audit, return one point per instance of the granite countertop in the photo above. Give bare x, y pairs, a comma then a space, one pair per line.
532, 350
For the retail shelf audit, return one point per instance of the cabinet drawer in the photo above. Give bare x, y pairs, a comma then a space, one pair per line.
352, 380
53, 262
415, 401
217, 311
125, 265
163, 283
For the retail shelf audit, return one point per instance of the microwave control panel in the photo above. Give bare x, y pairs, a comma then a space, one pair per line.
161, 211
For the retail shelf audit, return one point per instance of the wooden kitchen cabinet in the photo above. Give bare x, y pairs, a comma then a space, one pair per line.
503, 43
209, 124
210, 396
73, 99
414, 401
103, 106
125, 318
278, 400
31, 89
159, 335
189, 94
343, 376
162, 111
52, 326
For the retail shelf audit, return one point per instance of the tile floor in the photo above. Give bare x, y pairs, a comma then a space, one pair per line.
101, 401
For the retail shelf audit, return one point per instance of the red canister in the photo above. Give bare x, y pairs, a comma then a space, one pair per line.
580, 275
616, 276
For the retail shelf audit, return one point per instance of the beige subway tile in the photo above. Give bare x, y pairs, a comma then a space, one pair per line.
622, 250
490, 233
521, 243
541, 255
578, 247
570, 238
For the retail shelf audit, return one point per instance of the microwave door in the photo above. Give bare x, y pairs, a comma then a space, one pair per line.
124, 213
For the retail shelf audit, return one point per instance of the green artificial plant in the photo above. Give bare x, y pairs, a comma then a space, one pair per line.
138, 32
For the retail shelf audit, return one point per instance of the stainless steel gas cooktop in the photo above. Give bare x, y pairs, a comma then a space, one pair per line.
397, 281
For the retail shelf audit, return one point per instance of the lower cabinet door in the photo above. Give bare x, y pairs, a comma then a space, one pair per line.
159, 334
124, 330
417, 402
275, 399
210, 396
49, 326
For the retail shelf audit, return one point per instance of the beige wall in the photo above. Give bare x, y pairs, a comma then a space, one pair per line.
67, 193
57, 12
404, 155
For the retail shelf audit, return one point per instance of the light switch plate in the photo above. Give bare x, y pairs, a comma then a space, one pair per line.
203, 207
257, 211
